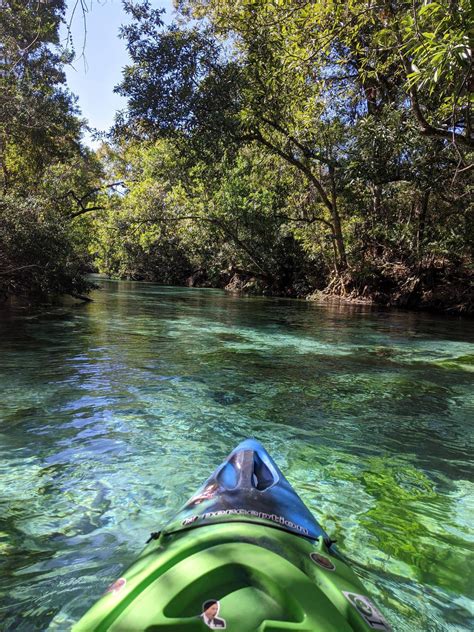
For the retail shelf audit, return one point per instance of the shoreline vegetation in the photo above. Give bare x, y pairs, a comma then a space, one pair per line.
436, 288
320, 150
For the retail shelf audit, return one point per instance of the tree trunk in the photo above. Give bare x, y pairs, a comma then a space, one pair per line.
329, 199
422, 215
377, 199
340, 258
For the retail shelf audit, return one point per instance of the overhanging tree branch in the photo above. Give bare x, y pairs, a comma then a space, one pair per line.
223, 227
306, 151
82, 201
425, 127
299, 165
305, 220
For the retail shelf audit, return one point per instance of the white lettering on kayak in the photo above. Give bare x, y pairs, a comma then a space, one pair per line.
246, 512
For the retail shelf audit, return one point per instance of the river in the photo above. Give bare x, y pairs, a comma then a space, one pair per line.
114, 412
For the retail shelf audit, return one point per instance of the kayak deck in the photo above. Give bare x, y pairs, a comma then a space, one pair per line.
264, 580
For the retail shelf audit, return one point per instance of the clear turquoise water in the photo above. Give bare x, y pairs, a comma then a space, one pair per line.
113, 413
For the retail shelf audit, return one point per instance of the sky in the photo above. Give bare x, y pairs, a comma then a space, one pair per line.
92, 77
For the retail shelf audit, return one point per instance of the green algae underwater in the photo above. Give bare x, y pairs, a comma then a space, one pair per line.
113, 413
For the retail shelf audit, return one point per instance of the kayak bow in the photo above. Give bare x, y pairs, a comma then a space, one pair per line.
244, 554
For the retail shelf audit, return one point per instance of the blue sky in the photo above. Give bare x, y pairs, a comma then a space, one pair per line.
93, 77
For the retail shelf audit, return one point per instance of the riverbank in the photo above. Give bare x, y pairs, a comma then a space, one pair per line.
438, 287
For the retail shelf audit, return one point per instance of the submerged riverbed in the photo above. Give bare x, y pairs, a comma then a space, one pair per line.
113, 413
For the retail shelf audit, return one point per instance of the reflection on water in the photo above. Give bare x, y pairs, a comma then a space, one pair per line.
113, 413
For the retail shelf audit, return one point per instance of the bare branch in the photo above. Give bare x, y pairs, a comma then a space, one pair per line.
10, 270
82, 201
87, 210
306, 220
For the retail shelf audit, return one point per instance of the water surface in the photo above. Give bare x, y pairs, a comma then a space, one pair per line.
113, 413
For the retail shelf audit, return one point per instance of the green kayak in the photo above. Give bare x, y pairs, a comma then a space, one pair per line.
244, 554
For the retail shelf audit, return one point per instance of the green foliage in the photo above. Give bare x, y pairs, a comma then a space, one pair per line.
289, 146
289, 142
47, 177
37, 116
176, 222
40, 252
436, 42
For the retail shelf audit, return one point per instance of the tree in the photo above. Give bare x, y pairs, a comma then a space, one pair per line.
250, 94
177, 222
328, 90
47, 176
